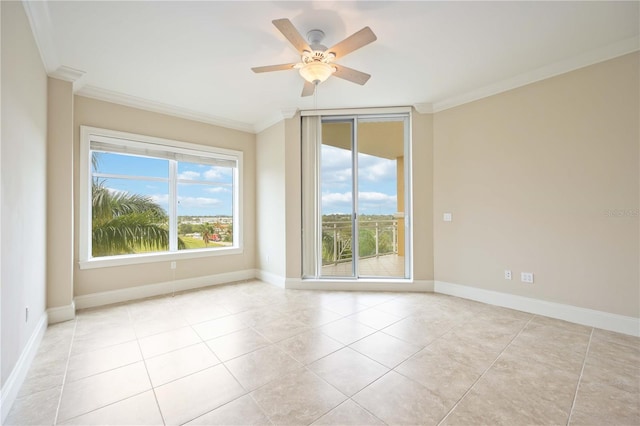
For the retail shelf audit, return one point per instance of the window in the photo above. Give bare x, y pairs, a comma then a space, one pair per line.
147, 199
356, 196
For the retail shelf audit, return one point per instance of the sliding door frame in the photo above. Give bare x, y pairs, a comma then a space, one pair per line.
354, 116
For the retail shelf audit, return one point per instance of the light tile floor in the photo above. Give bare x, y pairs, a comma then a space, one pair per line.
252, 353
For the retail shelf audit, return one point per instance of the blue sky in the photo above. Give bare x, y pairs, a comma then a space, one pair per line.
377, 183
376, 179
210, 199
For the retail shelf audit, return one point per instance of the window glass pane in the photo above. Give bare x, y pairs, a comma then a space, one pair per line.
205, 206
130, 165
204, 172
378, 190
129, 216
336, 186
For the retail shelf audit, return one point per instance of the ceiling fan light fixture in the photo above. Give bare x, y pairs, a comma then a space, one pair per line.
316, 72
316, 61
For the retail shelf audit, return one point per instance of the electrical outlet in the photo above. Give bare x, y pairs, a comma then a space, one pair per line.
173, 265
507, 274
447, 217
526, 277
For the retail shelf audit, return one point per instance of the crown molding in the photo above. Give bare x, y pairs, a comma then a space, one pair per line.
67, 74
71, 75
161, 108
592, 57
38, 15
41, 26
276, 117
288, 113
424, 108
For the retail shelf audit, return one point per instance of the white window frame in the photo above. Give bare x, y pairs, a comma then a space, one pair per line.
87, 134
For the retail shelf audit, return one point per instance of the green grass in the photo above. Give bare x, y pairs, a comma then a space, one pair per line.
191, 243
196, 243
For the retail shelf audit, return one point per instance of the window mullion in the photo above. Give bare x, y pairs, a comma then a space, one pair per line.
173, 205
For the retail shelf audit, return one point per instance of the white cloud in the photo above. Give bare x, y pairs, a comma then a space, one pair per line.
189, 202
217, 189
378, 170
115, 191
368, 202
217, 173
336, 198
191, 175
337, 168
376, 197
160, 199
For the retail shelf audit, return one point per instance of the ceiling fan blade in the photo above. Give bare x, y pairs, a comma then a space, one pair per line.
291, 33
351, 75
270, 68
308, 89
353, 42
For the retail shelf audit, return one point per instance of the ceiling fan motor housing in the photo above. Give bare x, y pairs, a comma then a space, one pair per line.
316, 56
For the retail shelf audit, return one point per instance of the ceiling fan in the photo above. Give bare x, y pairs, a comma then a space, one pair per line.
316, 63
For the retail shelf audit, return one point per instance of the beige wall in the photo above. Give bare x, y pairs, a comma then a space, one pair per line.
60, 182
279, 221
23, 177
422, 163
270, 200
106, 115
293, 191
529, 176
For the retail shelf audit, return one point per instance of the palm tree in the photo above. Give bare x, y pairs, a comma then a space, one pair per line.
125, 223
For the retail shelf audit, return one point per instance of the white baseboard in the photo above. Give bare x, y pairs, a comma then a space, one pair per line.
15, 380
168, 287
575, 314
62, 313
271, 278
360, 285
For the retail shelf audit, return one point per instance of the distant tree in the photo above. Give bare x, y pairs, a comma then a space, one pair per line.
185, 228
327, 248
228, 234
367, 242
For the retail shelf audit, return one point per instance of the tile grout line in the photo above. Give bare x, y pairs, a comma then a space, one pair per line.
334, 387
144, 362
66, 370
356, 402
260, 407
66, 382
584, 363
224, 365
484, 373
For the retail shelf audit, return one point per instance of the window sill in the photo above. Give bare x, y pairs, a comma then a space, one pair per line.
136, 259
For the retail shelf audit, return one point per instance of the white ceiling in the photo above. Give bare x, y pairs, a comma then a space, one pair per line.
194, 58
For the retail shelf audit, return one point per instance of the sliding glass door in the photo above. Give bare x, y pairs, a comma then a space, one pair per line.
355, 204
336, 202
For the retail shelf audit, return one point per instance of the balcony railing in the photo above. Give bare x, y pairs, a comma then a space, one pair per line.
376, 237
